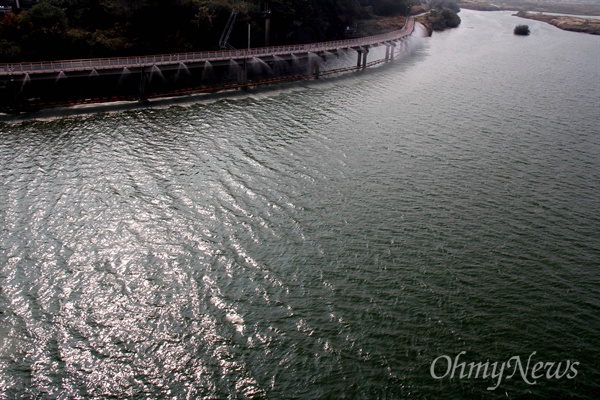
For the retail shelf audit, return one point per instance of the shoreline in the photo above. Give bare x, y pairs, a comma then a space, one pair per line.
568, 17
565, 22
574, 9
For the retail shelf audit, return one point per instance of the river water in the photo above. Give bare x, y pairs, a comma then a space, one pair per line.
348, 237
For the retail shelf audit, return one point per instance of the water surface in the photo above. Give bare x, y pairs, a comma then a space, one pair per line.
326, 239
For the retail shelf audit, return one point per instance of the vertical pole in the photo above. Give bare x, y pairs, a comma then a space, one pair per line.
267, 23
267, 28
248, 35
243, 75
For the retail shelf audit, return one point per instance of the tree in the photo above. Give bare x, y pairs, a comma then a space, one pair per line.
522, 30
390, 7
102, 28
44, 31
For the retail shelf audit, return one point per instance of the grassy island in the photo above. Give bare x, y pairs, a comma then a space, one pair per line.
522, 30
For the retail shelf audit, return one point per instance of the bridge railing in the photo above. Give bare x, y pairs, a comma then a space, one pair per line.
166, 59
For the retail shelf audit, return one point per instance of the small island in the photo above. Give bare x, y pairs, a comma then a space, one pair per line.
522, 30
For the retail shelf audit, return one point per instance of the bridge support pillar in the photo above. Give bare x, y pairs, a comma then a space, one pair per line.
316, 70
242, 75
392, 48
17, 101
387, 52
361, 61
143, 83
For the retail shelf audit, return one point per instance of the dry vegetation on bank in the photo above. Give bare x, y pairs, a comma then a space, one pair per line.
535, 6
534, 10
566, 22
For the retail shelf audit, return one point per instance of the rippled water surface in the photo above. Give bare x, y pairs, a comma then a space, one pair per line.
327, 239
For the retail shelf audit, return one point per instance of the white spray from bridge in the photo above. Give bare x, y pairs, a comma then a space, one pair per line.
376, 55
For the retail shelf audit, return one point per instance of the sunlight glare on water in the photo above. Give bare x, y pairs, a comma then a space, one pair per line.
326, 239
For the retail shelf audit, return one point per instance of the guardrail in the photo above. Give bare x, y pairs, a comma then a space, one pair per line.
169, 59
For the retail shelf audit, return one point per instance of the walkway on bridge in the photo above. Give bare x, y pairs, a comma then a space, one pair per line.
197, 57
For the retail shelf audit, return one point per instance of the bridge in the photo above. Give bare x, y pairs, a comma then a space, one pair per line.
34, 85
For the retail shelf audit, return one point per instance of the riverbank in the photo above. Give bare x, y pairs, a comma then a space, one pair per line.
532, 6
432, 20
566, 22
380, 25
534, 10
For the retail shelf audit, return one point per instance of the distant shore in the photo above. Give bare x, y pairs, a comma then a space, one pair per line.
525, 9
534, 10
566, 22
423, 14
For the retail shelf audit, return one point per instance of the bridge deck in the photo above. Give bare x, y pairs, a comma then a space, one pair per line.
171, 59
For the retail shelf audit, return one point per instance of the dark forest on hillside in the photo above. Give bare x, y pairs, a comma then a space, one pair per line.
59, 29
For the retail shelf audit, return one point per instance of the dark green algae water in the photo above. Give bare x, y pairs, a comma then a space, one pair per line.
328, 239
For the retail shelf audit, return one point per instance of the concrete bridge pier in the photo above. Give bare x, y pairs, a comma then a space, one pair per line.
316, 70
143, 83
17, 100
361, 61
389, 51
242, 75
